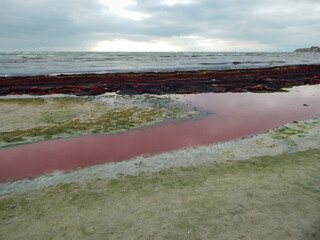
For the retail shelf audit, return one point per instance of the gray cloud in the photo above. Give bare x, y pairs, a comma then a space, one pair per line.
281, 25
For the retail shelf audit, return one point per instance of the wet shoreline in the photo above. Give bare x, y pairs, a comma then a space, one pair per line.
290, 138
235, 115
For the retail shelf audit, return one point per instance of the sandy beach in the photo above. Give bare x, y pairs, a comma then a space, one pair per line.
159, 120
200, 192
218, 197
189, 166
113, 128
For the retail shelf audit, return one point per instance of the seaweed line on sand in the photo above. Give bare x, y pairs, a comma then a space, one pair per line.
289, 138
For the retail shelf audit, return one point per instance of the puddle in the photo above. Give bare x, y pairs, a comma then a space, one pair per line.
234, 115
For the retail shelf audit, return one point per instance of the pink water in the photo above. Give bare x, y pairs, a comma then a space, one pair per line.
235, 115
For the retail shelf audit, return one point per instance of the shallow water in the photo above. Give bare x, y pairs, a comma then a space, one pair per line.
233, 116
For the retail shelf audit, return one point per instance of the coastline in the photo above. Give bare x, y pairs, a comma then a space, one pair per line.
233, 80
289, 138
194, 120
267, 197
263, 186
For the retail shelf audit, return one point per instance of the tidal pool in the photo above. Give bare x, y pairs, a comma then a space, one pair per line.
232, 116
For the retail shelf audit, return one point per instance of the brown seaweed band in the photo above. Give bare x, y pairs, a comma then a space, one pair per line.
240, 80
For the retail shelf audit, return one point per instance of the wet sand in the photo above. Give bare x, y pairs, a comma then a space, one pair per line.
233, 116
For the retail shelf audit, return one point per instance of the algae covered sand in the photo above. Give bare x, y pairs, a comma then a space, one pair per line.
25, 120
266, 197
274, 197
289, 138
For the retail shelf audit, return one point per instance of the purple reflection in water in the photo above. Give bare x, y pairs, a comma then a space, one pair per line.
235, 115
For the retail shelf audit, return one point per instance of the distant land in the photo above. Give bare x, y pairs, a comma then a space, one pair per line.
311, 49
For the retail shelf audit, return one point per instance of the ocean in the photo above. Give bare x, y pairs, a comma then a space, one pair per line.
28, 63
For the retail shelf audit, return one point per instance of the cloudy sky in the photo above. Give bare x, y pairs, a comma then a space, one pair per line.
159, 25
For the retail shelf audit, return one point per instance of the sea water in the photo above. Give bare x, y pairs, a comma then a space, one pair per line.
28, 63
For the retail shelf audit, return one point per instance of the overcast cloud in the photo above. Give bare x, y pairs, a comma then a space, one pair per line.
159, 25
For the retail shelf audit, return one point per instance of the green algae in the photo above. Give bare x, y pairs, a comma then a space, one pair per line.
261, 198
227, 155
299, 129
37, 119
24, 101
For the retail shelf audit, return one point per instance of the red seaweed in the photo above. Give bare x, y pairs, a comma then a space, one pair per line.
240, 80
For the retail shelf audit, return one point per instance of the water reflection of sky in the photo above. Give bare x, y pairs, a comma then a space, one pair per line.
235, 115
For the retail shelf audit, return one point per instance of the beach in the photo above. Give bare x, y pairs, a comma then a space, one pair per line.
261, 198
231, 153
112, 128
159, 120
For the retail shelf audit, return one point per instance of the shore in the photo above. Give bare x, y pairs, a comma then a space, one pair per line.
263, 186
289, 138
114, 128
240, 80
261, 198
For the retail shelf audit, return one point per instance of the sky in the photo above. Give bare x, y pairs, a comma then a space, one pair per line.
159, 25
